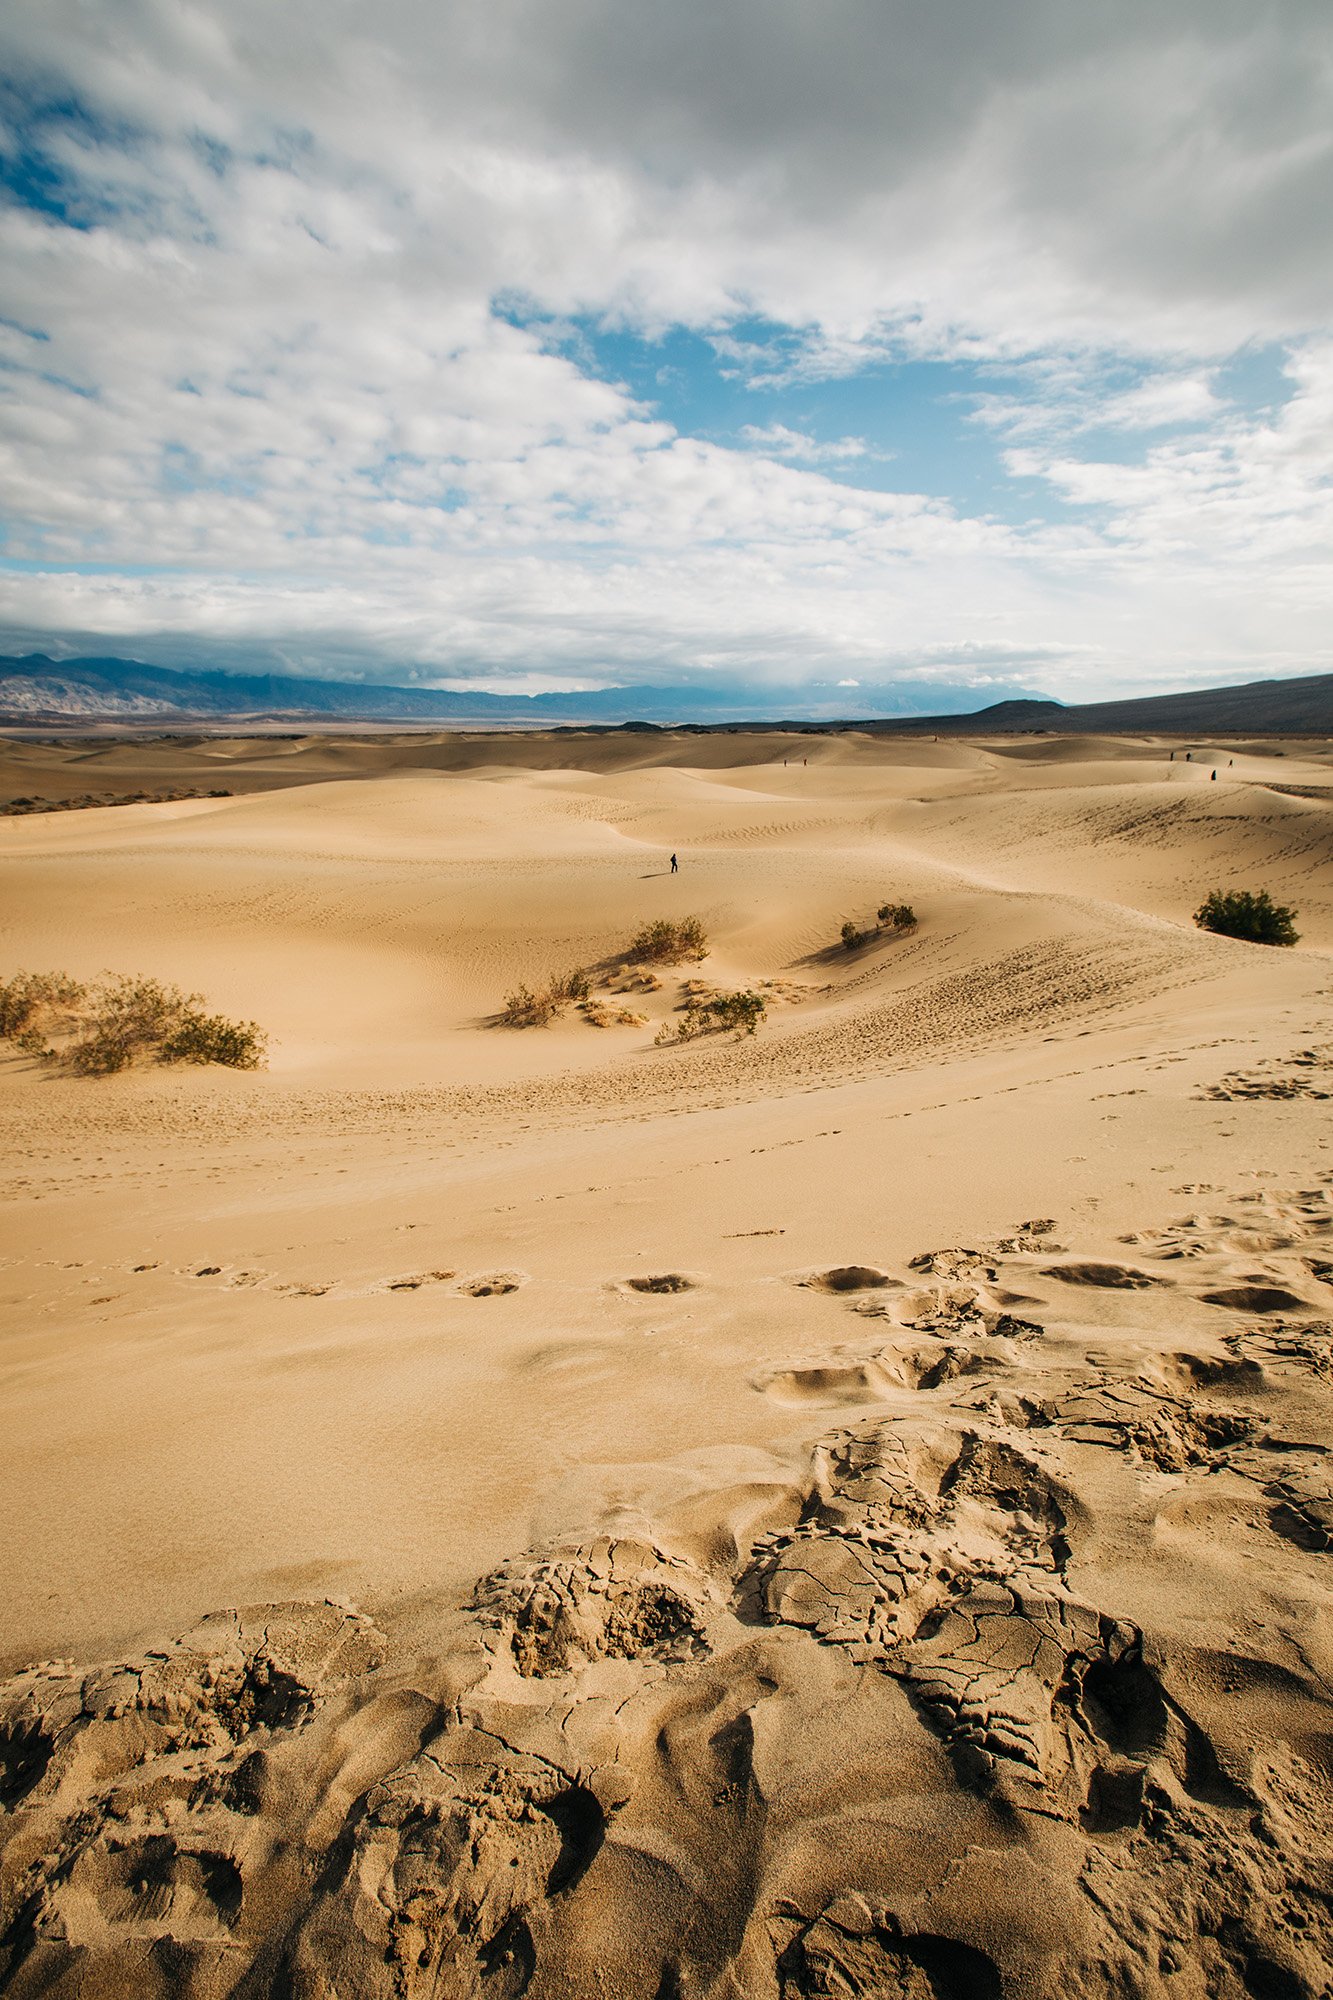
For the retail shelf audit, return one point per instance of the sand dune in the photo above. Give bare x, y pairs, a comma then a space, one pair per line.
840, 1512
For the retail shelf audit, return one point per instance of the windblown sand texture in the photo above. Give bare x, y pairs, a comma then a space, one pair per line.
847, 1512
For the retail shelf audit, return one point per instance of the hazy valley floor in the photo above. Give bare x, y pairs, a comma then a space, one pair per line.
847, 1512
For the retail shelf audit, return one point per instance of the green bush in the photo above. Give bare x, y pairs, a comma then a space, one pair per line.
742, 1011
896, 916
665, 942
852, 936
1248, 914
211, 1038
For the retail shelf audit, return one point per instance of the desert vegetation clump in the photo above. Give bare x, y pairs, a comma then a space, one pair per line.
1248, 914
888, 917
534, 1007
33, 1001
667, 940
572, 986
527, 1007
118, 1020
741, 1011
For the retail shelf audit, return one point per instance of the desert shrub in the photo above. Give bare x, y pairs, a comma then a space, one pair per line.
576, 984
29, 998
742, 1011
125, 1018
525, 1009
666, 941
212, 1038
106, 1027
896, 916
851, 936
529, 1007
1248, 914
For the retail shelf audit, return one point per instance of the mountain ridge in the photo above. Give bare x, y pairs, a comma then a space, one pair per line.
35, 688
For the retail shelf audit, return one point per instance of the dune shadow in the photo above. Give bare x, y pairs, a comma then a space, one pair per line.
838, 953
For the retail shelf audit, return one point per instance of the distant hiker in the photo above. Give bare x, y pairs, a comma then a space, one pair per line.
1173, 756
675, 865
1189, 757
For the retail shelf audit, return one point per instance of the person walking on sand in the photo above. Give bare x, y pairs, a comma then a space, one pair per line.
675, 865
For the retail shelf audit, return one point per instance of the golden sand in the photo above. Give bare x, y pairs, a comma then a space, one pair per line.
846, 1511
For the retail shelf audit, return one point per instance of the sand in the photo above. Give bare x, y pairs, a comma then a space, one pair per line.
847, 1511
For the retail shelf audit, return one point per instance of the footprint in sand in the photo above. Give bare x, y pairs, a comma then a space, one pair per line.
416, 1280
846, 1278
825, 1385
493, 1285
1104, 1277
661, 1285
1257, 1298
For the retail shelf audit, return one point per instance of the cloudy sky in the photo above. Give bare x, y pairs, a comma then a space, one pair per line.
538, 343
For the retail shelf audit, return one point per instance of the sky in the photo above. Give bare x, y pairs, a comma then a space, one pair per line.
532, 344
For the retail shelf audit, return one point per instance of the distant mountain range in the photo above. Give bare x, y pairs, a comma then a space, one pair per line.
35, 689
1301, 707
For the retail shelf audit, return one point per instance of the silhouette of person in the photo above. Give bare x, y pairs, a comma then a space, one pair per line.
675, 865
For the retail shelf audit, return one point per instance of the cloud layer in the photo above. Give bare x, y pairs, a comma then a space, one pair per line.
290, 355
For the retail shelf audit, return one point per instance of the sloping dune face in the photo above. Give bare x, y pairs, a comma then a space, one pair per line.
594, 1509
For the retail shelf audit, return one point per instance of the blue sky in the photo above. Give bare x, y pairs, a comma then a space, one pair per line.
594, 343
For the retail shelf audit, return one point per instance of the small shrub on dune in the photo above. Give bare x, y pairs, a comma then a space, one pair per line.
1250, 915
212, 1038
888, 917
667, 941
565, 987
126, 1018
525, 1009
739, 1011
100, 1029
31, 999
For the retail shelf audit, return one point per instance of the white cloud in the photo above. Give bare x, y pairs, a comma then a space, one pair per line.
274, 404
780, 442
1163, 400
